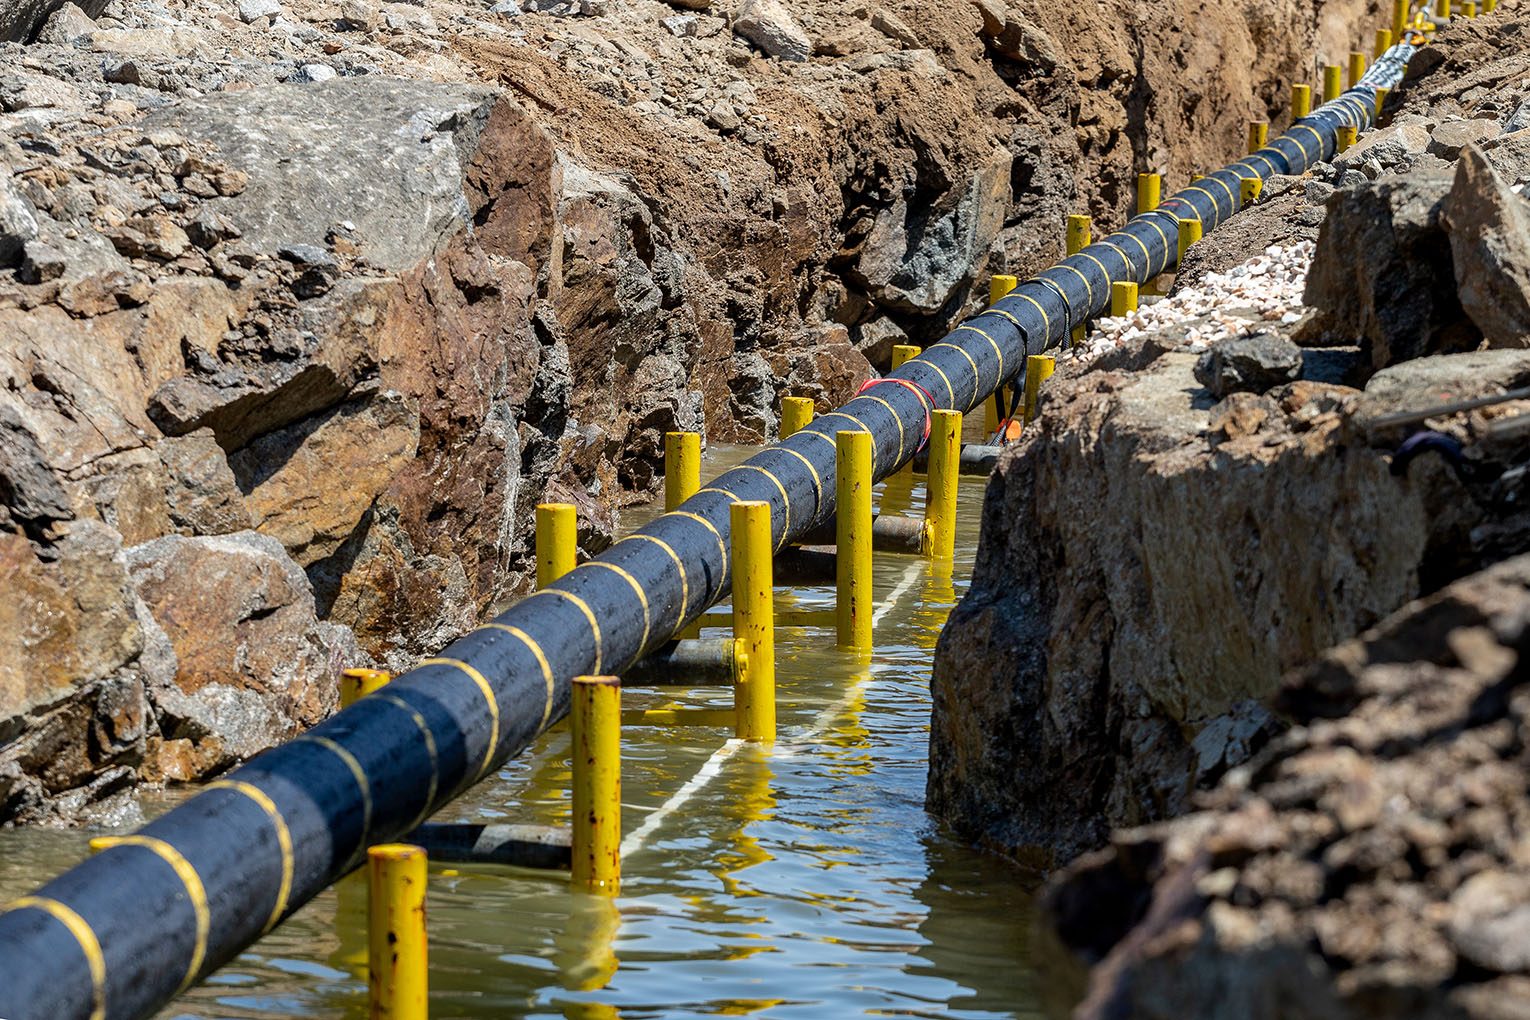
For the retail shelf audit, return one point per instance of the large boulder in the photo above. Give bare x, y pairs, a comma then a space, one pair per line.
1489, 228
20, 20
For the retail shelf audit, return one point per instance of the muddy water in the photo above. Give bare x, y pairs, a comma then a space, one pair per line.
802, 880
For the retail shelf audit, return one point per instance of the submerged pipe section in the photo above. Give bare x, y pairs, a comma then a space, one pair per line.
119, 935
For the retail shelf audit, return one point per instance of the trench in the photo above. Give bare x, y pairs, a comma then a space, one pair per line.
801, 879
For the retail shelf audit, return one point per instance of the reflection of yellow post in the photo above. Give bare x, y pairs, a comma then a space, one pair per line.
1301, 101
1189, 233
853, 539
754, 622
1258, 134
1149, 190
1079, 237
396, 965
586, 952
356, 684
682, 467
750, 801
1038, 369
557, 541
796, 415
940, 500
596, 712
1333, 82
1249, 190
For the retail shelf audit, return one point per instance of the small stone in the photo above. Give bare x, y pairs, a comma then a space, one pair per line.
253, 10
771, 27
318, 72
42, 263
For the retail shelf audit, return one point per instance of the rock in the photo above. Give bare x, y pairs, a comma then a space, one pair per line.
1375, 276
153, 237
1455, 135
1519, 120
29, 489
1023, 42
995, 15
254, 666
1392, 147
66, 26
202, 495
254, 10
876, 339
18, 223
1510, 155
1489, 230
318, 269
771, 27
890, 26
1249, 364
1342, 862
21, 20
41, 263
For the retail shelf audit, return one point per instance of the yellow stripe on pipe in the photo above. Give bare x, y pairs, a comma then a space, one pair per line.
786, 501
722, 546
357, 773
817, 479
283, 839
429, 740
589, 616
487, 690
196, 892
83, 934
637, 589
541, 657
685, 588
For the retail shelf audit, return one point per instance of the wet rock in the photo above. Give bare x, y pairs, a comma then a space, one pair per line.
770, 26
1249, 364
1489, 229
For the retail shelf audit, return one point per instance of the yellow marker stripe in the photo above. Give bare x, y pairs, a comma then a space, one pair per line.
1298, 141
1215, 207
786, 500
860, 425
1125, 262
1231, 198
1152, 221
283, 840
950, 390
1147, 256
973, 402
638, 589
1088, 288
83, 934
724, 492
1046, 320
488, 693
896, 420
430, 749
1268, 164
357, 773
195, 892
536, 649
1105, 272
721, 545
589, 616
997, 353
685, 590
813, 471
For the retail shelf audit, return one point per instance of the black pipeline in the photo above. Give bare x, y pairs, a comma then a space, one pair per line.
122, 933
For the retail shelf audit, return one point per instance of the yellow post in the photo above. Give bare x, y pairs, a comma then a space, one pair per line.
1381, 102
945, 467
1000, 286
1442, 9
754, 621
796, 415
1149, 192
853, 538
596, 722
557, 541
1469, 8
1189, 233
396, 947
1258, 134
1401, 9
990, 415
682, 467
1123, 298
1347, 135
1489, 6
904, 353
356, 684
1356, 68
1333, 82
1038, 369
1196, 176
1249, 189
1383, 42
1301, 101
1079, 231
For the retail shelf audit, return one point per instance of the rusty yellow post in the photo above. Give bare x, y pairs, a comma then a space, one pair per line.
596, 721
1383, 42
1258, 134
1346, 137
682, 467
1000, 286
1189, 233
945, 467
1123, 298
1356, 68
1333, 82
1038, 369
1149, 192
1301, 102
796, 415
356, 684
754, 622
902, 354
1249, 190
557, 541
853, 539
396, 946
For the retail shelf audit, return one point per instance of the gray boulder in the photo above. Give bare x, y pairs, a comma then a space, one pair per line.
771, 27
1489, 229
21, 19
1249, 364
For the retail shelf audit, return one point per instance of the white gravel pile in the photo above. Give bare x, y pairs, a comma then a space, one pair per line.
1265, 290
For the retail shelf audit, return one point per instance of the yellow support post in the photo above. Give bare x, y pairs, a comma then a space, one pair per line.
1442, 9
1249, 190
1401, 9
1489, 6
902, 354
1258, 134
853, 538
754, 621
1383, 42
1000, 286
557, 541
1189, 233
596, 722
356, 684
1469, 8
1381, 102
1038, 369
1079, 238
1356, 68
796, 415
940, 498
396, 945
1346, 137
682, 467
1301, 101
1123, 298
1333, 82
1149, 192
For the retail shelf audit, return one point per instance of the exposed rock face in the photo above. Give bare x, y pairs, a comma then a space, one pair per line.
1490, 247
1369, 864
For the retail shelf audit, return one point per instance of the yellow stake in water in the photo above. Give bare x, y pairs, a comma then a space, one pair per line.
945, 469
1123, 298
1249, 190
356, 684
1333, 82
796, 415
595, 711
853, 539
1301, 101
682, 467
396, 945
1258, 134
1038, 369
1149, 192
557, 541
754, 621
